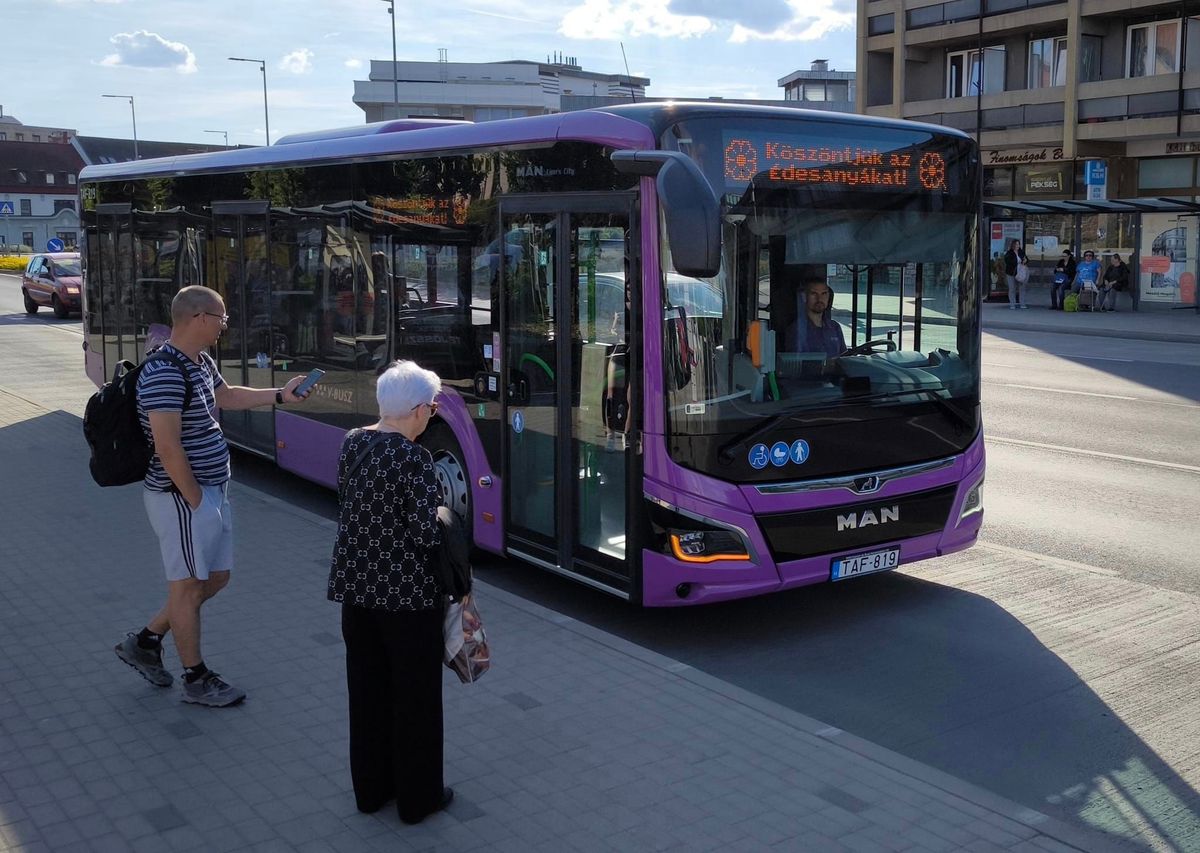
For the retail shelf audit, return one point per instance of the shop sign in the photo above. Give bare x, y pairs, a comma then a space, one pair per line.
1183, 147
1044, 181
1020, 156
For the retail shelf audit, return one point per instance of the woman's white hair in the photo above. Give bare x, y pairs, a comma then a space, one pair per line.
404, 386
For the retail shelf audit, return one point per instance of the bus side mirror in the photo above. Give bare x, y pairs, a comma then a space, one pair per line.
692, 210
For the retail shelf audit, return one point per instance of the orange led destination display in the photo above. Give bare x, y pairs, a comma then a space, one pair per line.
763, 159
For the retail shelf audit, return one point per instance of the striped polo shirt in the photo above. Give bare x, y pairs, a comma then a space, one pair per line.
160, 388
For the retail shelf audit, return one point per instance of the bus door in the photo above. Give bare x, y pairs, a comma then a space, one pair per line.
110, 287
240, 258
568, 457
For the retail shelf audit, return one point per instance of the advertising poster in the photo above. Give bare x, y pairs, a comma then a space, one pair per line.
1165, 274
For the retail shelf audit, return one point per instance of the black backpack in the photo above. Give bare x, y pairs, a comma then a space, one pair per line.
121, 453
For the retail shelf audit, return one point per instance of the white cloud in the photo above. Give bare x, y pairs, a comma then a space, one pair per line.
297, 62
811, 20
611, 19
354, 63
766, 20
144, 49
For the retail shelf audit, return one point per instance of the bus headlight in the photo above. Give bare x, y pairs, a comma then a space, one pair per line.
707, 546
973, 502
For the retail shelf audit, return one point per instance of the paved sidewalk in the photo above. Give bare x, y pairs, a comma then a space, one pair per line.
1180, 325
576, 740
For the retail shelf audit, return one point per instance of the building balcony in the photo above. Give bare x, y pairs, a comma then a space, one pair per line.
1118, 102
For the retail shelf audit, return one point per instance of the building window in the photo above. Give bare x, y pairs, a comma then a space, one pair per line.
1089, 59
3, 136
49, 177
1047, 62
71, 179
1165, 173
27, 207
881, 25
64, 204
37, 137
1152, 49
69, 238
27, 239
963, 72
20, 137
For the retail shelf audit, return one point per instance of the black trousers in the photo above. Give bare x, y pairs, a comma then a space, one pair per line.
394, 676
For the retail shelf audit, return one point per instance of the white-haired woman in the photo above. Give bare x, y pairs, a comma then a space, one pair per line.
392, 606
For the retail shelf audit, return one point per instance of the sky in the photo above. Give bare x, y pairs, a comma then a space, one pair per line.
172, 55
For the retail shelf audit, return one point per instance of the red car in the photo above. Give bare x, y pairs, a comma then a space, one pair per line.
53, 279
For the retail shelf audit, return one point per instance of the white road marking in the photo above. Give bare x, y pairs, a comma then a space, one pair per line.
1095, 394
1078, 451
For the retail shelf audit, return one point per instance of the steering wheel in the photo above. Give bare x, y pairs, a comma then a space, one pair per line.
869, 347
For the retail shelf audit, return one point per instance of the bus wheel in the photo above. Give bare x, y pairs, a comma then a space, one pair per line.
31, 307
450, 469
60, 311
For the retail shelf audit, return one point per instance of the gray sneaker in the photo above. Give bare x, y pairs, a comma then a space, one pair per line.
213, 691
146, 661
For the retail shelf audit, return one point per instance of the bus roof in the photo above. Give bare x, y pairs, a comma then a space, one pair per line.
628, 126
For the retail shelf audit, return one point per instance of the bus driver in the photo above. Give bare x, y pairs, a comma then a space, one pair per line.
814, 330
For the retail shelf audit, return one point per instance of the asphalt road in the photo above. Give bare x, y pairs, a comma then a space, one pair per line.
1054, 664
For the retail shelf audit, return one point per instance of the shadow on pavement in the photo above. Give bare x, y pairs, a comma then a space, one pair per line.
940, 675
935, 673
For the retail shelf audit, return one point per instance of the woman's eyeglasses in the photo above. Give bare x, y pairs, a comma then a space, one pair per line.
433, 407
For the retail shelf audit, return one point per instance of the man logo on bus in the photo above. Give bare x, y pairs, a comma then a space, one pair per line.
868, 517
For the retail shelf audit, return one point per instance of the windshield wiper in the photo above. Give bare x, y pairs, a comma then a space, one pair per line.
723, 452
964, 420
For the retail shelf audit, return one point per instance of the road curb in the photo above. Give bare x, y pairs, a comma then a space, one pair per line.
1122, 334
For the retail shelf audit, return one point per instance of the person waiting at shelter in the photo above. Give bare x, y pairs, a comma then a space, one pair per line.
1116, 279
1064, 277
1016, 279
814, 329
1087, 273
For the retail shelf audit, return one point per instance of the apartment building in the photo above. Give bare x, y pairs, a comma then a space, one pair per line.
484, 91
1087, 114
820, 88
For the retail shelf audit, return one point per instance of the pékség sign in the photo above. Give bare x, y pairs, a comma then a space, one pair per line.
1020, 156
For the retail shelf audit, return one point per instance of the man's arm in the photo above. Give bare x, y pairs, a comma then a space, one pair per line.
166, 427
235, 397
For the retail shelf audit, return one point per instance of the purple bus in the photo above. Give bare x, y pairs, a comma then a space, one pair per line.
690, 352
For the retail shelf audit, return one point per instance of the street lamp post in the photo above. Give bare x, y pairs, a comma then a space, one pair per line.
133, 113
395, 75
225, 132
266, 114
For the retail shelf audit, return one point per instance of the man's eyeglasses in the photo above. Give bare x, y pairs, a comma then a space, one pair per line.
224, 318
433, 407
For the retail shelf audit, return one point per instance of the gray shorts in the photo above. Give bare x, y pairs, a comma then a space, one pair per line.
194, 542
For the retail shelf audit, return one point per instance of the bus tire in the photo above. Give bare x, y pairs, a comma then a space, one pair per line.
454, 480
31, 307
60, 311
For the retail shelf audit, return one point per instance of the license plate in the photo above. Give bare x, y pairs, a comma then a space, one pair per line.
865, 564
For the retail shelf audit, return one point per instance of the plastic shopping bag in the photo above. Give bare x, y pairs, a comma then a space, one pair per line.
467, 651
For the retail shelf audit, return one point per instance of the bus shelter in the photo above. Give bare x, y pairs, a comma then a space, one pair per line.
1158, 237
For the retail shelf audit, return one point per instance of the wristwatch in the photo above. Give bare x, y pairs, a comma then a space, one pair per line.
278, 396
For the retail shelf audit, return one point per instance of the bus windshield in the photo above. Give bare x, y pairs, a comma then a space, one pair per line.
840, 300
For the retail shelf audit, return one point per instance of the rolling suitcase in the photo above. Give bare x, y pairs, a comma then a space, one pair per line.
1087, 299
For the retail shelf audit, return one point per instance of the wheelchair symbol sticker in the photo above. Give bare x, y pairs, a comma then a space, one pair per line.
799, 451
518, 422
779, 454
758, 456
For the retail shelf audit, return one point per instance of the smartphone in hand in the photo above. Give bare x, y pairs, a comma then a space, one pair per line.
306, 386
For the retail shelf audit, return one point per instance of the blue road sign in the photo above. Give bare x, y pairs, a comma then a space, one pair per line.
55, 245
7, 209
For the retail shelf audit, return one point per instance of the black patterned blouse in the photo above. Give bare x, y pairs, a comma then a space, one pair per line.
387, 526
